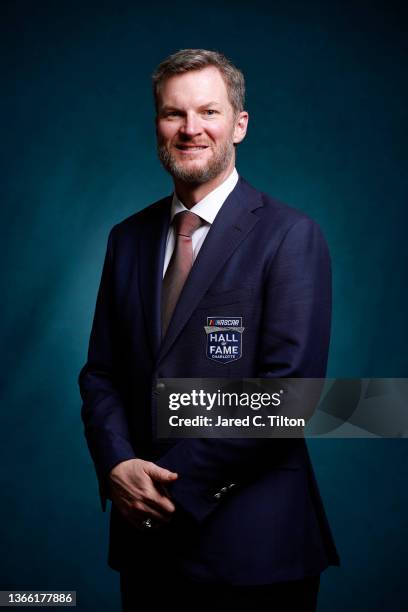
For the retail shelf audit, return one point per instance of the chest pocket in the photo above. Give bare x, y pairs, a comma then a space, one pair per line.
225, 298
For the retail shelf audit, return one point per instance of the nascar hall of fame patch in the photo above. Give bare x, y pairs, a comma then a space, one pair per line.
224, 338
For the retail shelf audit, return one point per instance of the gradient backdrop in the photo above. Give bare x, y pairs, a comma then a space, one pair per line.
327, 97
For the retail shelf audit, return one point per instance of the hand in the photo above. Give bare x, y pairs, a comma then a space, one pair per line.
138, 490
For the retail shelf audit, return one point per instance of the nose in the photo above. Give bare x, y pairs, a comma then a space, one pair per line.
191, 125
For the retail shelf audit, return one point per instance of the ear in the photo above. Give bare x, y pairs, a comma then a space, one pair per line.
241, 125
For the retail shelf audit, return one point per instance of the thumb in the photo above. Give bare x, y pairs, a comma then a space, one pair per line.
161, 474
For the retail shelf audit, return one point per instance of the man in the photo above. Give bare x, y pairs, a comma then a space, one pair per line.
228, 520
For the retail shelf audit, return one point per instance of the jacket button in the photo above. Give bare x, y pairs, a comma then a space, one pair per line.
224, 489
217, 496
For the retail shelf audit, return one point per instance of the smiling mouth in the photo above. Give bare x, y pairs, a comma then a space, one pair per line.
191, 148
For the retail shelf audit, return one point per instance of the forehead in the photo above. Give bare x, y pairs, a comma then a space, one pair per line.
195, 87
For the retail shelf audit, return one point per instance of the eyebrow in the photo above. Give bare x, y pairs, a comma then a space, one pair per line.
171, 107
210, 104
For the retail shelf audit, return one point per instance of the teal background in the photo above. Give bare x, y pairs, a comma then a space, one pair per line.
327, 97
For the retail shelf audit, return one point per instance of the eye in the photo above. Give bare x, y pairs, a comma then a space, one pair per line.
210, 112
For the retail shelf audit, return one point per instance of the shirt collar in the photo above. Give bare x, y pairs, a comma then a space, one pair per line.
208, 207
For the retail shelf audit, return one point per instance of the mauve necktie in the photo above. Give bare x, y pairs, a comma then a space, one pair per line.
181, 262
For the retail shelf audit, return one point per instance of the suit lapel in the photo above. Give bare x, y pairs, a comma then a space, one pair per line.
151, 258
232, 224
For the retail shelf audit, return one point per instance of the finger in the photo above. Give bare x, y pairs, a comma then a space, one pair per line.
143, 510
136, 515
160, 474
148, 497
120, 492
163, 512
161, 502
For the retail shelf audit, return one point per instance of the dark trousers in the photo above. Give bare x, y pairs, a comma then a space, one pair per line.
140, 593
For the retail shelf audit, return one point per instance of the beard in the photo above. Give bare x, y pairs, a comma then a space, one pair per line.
197, 175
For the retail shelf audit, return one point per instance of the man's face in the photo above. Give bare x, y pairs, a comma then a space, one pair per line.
197, 127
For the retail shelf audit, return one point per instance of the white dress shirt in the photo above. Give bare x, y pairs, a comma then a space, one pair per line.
207, 209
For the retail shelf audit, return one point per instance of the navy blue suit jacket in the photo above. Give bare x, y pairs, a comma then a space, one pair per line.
268, 264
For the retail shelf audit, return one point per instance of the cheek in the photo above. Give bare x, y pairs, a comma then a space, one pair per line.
166, 132
220, 132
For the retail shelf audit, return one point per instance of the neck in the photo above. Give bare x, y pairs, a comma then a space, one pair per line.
190, 194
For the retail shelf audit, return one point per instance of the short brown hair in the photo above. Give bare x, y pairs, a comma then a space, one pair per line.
197, 59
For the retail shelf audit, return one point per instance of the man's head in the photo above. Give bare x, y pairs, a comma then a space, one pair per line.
199, 98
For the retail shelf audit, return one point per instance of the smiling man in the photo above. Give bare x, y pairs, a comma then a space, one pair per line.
224, 521
197, 128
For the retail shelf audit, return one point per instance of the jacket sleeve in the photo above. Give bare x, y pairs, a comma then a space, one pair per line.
294, 342
103, 413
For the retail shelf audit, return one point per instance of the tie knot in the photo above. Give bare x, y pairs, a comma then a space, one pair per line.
186, 223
